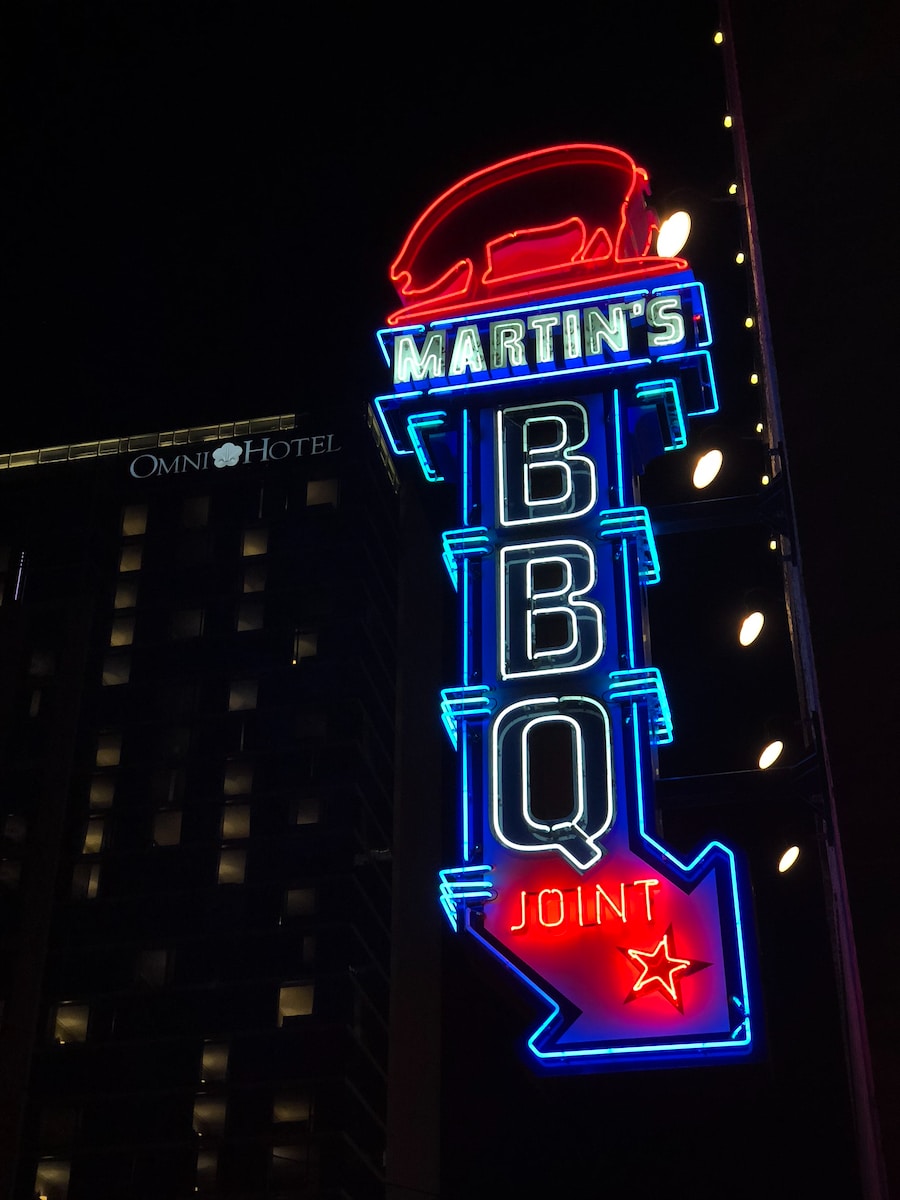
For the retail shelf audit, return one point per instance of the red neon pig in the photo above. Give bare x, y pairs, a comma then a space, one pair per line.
561, 219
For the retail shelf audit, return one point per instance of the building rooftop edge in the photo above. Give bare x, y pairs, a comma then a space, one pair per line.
145, 441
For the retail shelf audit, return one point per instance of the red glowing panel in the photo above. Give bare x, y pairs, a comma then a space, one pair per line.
553, 221
638, 954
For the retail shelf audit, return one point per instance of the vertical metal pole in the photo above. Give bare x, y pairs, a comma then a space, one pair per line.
872, 1168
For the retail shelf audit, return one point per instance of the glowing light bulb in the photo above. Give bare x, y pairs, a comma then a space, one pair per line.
727, 122
751, 628
748, 322
788, 859
759, 427
673, 233
707, 468
718, 37
739, 257
732, 189
754, 378
770, 754
765, 481
773, 545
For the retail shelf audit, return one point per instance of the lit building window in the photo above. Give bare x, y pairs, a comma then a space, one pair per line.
93, 836
254, 578
130, 558
116, 670
209, 1115
300, 902
102, 790
238, 777
250, 616
109, 749
126, 594
242, 695
167, 828
290, 1108
70, 1023
322, 491
294, 1000
51, 1180
306, 810
305, 644
232, 865
207, 1166
255, 541
236, 821
122, 632
85, 881
214, 1062
134, 520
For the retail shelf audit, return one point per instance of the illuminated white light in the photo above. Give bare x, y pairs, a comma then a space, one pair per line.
754, 378
718, 37
739, 257
673, 233
773, 545
770, 754
764, 480
748, 321
728, 122
732, 189
759, 426
707, 468
788, 859
521, 461
577, 836
751, 628
666, 322
522, 605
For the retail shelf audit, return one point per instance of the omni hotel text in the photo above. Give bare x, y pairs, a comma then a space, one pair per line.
232, 454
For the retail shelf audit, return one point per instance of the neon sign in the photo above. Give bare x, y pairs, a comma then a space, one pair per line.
542, 410
579, 218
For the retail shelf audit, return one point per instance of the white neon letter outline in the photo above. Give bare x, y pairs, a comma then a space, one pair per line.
590, 839
571, 597
664, 316
411, 364
569, 822
529, 454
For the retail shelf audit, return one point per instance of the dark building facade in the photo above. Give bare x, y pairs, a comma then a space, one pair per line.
197, 635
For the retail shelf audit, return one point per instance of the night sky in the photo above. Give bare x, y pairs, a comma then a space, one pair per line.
203, 199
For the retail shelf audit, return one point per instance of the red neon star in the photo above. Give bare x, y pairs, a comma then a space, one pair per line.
659, 968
